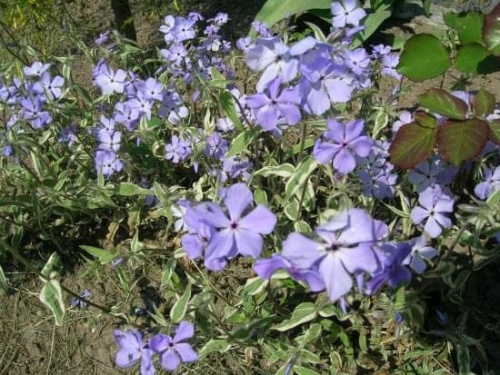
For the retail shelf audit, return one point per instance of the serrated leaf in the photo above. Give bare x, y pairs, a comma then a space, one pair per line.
179, 309
474, 59
228, 104
215, 345
412, 144
458, 141
442, 102
300, 176
482, 103
275, 10
424, 57
241, 142
303, 313
491, 30
51, 296
469, 26
425, 119
495, 131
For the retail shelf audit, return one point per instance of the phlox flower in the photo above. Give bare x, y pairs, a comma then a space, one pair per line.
434, 204
110, 81
174, 350
172, 107
51, 87
34, 113
390, 62
420, 250
238, 233
109, 141
274, 105
346, 12
405, 117
490, 184
344, 141
142, 104
177, 150
107, 162
133, 349
36, 69
393, 272
151, 89
346, 247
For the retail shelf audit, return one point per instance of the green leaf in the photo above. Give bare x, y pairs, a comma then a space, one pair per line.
371, 23
318, 33
292, 209
53, 265
283, 170
495, 131
300, 176
425, 119
127, 189
179, 309
458, 141
168, 271
276, 10
299, 370
491, 30
215, 345
413, 144
469, 26
423, 57
254, 286
494, 198
218, 80
426, 4
227, 103
441, 102
105, 256
474, 59
51, 296
482, 103
241, 142
303, 313
3, 281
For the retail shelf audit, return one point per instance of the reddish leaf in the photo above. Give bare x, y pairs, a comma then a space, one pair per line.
413, 144
495, 131
458, 141
443, 103
424, 119
491, 30
483, 103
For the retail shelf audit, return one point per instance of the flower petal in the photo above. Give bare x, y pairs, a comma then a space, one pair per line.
170, 360
260, 220
184, 331
186, 352
344, 162
301, 251
337, 281
248, 242
237, 197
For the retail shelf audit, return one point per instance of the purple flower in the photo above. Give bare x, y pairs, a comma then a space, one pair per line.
490, 184
107, 162
347, 140
173, 350
102, 38
184, 29
177, 150
51, 87
225, 124
393, 272
274, 58
276, 105
390, 62
167, 27
110, 81
244, 44
34, 113
238, 233
266, 267
76, 302
172, 107
126, 115
426, 173
323, 83
434, 203
419, 251
357, 61
141, 104
109, 141
152, 89
36, 69
68, 135
405, 117
347, 247
133, 348
216, 146
346, 13
380, 50
175, 54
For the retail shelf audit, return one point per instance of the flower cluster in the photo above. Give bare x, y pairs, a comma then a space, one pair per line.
172, 351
